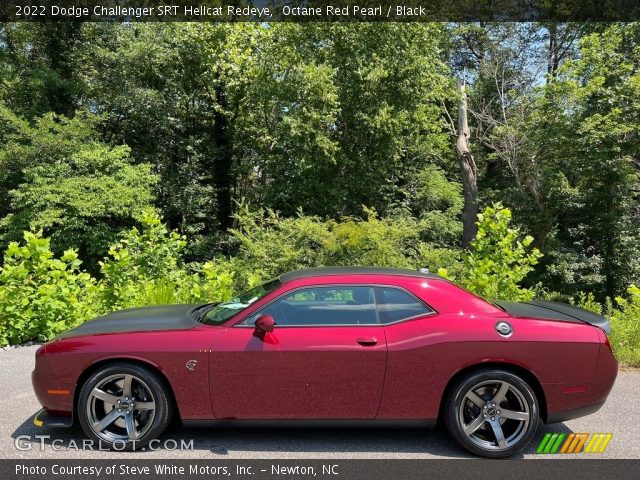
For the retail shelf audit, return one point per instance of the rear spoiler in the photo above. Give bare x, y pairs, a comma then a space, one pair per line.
555, 311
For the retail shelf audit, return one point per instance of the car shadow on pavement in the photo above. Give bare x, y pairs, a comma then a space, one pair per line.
278, 442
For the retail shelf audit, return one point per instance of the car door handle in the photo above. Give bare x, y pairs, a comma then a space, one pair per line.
367, 341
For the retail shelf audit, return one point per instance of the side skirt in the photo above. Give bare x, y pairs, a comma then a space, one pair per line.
296, 423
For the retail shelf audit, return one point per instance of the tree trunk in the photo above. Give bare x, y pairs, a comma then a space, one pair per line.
609, 256
60, 87
553, 60
223, 161
468, 172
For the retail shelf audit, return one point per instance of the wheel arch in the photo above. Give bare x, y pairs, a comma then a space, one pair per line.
518, 370
95, 366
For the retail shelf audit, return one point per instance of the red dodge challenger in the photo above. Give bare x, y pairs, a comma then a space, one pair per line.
361, 344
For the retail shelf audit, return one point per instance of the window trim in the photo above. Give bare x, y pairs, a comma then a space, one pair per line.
432, 311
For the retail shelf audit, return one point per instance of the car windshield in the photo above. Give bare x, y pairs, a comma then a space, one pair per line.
221, 312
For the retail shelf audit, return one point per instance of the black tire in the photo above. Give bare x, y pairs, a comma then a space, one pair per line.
147, 422
484, 386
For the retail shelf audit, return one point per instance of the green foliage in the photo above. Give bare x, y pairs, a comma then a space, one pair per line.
338, 103
588, 302
41, 295
327, 117
435, 192
213, 281
99, 122
145, 267
37, 67
499, 260
59, 177
269, 244
437, 201
141, 262
580, 136
625, 327
384, 242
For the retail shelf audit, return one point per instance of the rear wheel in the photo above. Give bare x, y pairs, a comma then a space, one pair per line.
124, 406
492, 413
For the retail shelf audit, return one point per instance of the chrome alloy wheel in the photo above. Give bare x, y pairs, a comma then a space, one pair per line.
121, 407
494, 415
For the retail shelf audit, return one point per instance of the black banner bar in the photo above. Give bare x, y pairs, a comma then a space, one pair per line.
320, 10
565, 469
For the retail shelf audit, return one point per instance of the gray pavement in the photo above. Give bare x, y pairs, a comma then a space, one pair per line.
18, 405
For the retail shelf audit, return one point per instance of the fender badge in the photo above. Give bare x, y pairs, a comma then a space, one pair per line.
191, 364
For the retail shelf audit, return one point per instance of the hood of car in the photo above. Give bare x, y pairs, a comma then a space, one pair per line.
162, 317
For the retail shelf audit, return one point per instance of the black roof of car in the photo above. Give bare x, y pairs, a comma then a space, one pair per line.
328, 271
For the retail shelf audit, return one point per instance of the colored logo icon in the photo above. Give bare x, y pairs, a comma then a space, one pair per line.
574, 443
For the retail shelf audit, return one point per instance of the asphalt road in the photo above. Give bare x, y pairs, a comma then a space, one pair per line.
18, 405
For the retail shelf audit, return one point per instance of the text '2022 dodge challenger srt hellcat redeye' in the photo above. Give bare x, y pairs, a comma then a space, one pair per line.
362, 344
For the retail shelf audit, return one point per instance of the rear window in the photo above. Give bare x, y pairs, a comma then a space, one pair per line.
396, 305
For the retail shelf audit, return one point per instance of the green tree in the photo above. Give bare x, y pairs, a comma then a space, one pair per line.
145, 267
58, 176
343, 119
594, 105
38, 67
269, 244
320, 116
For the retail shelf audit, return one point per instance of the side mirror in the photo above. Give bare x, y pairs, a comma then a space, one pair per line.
264, 324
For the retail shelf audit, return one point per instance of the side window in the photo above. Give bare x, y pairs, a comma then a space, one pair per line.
395, 305
348, 305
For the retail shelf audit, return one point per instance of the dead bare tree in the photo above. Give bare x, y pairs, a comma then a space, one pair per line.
468, 170
501, 127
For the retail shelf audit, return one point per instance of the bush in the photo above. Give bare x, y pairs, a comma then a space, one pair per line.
213, 281
588, 302
59, 176
144, 266
499, 260
269, 245
625, 327
40, 295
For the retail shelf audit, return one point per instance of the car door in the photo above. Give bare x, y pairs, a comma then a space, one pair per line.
325, 358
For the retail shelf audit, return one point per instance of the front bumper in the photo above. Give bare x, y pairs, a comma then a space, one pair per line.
46, 419
54, 395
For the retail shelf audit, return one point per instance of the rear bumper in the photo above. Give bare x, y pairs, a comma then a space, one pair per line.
566, 401
575, 413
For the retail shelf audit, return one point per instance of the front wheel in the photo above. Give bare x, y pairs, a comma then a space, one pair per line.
124, 406
492, 413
